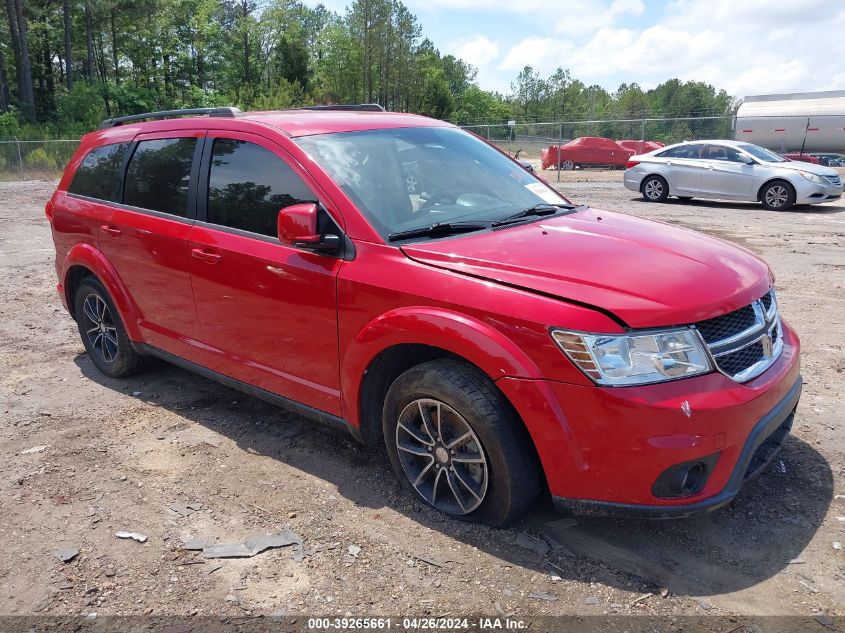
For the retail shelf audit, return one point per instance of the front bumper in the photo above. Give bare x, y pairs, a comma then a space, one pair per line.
763, 443
602, 449
811, 193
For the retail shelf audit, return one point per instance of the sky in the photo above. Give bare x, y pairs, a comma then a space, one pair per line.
747, 47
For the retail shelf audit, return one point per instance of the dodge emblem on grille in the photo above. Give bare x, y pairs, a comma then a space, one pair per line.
768, 346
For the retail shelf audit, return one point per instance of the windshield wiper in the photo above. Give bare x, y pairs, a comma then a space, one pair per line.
544, 208
438, 229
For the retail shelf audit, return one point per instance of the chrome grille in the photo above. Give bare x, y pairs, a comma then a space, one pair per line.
744, 343
833, 180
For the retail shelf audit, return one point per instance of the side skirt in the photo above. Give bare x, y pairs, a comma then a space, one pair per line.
268, 396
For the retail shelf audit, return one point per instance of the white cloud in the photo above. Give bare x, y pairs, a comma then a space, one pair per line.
478, 50
748, 47
744, 46
544, 54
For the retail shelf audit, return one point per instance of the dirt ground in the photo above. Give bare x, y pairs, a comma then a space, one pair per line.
84, 456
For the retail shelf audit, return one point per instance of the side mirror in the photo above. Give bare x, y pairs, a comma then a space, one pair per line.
746, 159
296, 226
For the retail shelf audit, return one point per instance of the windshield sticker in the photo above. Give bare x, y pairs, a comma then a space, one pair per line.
546, 194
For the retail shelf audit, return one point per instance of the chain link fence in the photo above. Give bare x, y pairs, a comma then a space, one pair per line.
782, 134
34, 160
22, 159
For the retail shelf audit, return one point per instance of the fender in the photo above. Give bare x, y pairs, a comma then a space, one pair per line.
87, 255
464, 336
478, 343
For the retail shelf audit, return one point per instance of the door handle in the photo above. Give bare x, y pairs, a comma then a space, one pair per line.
207, 256
111, 230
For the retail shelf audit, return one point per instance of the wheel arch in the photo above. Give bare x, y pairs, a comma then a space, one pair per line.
85, 260
654, 174
771, 180
398, 340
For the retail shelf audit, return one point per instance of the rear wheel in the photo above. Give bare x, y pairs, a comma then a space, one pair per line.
655, 189
567, 165
102, 331
455, 443
778, 195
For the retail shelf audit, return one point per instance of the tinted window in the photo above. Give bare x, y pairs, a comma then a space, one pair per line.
97, 175
722, 152
158, 175
248, 185
683, 151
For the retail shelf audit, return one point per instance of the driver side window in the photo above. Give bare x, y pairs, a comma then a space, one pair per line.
247, 186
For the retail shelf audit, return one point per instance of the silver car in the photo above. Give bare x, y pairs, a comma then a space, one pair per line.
730, 170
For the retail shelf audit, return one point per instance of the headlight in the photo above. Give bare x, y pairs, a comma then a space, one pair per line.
813, 178
635, 359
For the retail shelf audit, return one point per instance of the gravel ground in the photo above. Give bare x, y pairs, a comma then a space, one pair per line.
84, 456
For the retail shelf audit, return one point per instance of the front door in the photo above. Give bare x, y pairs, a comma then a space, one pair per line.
725, 175
268, 312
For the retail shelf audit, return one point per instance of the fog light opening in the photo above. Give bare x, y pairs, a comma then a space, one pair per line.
685, 479
692, 478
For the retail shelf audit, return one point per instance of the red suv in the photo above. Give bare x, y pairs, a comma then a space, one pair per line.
400, 278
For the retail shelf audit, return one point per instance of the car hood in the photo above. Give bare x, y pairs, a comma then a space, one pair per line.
648, 274
797, 165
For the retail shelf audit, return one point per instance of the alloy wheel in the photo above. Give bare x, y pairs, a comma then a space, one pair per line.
442, 456
653, 189
567, 165
776, 196
99, 327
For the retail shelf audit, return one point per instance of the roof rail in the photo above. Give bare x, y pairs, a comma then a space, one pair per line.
169, 114
360, 107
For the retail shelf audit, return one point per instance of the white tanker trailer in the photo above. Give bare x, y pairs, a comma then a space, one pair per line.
809, 121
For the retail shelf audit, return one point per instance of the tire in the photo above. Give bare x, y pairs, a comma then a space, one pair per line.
777, 195
567, 165
102, 331
476, 423
654, 189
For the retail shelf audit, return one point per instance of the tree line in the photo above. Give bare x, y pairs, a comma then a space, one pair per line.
67, 64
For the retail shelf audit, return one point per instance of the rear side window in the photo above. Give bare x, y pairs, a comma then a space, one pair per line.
158, 175
248, 185
684, 151
98, 173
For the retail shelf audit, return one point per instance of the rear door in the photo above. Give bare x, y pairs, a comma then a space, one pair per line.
268, 311
145, 234
725, 175
683, 168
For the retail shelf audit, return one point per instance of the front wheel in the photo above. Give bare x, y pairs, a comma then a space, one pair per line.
778, 196
455, 442
655, 189
567, 165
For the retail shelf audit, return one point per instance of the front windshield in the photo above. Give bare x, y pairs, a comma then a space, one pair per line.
762, 153
408, 178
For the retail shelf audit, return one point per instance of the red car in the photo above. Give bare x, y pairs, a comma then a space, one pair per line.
641, 147
587, 150
497, 339
804, 158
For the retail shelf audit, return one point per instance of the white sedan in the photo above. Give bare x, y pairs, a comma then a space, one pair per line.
730, 170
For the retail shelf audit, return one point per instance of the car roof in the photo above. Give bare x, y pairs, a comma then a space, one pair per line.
291, 122
308, 122
714, 141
